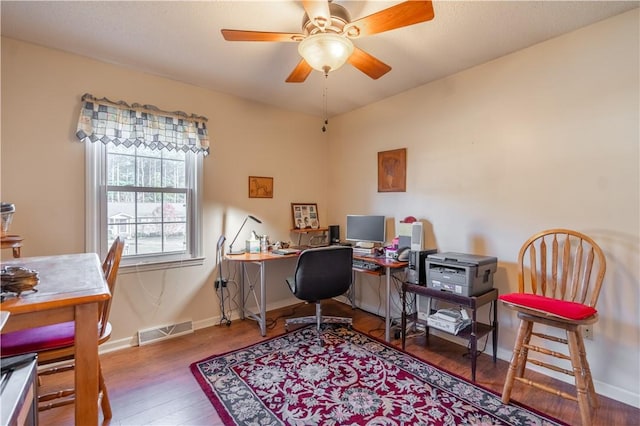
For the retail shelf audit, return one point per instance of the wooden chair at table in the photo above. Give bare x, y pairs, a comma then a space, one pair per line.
54, 343
560, 274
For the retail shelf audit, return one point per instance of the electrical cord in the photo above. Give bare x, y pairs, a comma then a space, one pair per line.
221, 285
486, 339
272, 322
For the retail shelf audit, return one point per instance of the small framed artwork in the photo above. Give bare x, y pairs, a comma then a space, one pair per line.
305, 215
260, 187
392, 170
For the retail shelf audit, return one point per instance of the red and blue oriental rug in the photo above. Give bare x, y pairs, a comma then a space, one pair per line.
353, 379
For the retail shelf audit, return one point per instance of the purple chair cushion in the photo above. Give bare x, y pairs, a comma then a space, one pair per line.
38, 339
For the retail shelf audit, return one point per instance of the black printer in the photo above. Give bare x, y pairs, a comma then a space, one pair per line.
460, 273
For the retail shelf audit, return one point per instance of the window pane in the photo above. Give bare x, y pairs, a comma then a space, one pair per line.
120, 214
149, 172
175, 208
173, 174
176, 237
149, 241
120, 197
120, 170
149, 212
151, 220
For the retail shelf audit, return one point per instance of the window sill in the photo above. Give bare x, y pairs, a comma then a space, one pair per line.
160, 265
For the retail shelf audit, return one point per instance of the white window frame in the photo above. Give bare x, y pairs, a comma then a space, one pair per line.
96, 215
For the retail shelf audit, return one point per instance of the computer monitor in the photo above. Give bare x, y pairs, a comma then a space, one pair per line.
366, 228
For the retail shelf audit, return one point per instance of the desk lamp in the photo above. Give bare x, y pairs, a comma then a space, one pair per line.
238, 233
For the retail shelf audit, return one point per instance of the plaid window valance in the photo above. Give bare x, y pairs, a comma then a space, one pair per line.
141, 125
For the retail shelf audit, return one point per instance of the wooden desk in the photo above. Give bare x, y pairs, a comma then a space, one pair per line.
472, 333
71, 288
259, 259
389, 266
256, 259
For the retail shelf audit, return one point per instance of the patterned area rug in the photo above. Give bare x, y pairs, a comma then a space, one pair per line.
353, 379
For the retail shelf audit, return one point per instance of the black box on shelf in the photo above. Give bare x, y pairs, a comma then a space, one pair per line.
416, 269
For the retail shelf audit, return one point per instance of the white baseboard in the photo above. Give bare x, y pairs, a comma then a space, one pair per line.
128, 342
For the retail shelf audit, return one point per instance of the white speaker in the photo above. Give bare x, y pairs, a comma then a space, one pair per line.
416, 236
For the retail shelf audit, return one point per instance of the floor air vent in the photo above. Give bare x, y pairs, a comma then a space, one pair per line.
162, 333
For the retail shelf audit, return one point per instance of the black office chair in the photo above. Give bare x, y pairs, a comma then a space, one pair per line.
321, 273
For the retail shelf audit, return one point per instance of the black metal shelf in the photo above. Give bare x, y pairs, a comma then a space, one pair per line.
472, 333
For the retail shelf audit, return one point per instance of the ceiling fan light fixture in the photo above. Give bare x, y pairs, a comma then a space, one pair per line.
325, 51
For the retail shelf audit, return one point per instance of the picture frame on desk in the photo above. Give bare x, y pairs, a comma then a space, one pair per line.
305, 215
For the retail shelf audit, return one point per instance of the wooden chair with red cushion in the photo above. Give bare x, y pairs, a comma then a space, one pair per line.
560, 274
55, 343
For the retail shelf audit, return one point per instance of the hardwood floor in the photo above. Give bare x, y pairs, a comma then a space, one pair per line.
152, 385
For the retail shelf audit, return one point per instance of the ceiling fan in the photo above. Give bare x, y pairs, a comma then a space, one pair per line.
325, 41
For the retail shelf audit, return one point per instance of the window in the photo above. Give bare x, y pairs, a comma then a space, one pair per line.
144, 182
151, 198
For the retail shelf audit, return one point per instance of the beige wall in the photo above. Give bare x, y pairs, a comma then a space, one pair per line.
541, 138
546, 137
43, 174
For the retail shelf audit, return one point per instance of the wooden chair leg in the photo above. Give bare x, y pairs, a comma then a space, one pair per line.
105, 404
593, 396
516, 358
524, 351
579, 373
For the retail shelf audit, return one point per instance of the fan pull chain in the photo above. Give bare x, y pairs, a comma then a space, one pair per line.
324, 104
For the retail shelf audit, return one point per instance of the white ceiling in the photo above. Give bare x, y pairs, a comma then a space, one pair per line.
181, 40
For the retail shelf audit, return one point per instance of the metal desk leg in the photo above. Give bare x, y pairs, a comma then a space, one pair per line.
263, 301
243, 272
261, 305
387, 310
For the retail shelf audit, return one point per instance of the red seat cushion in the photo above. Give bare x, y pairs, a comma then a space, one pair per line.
38, 339
560, 308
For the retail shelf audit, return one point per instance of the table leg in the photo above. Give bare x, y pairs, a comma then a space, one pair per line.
494, 336
86, 359
352, 290
426, 327
473, 339
403, 322
387, 310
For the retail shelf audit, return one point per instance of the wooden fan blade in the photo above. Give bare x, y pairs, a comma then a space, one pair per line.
318, 12
398, 16
299, 73
371, 66
241, 35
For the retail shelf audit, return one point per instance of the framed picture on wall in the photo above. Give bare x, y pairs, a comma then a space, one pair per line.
305, 215
260, 187
392, 170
